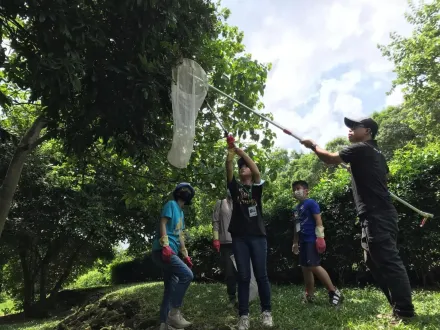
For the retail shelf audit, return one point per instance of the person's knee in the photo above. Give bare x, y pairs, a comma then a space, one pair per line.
315, 269
244, 277
391, 263
187, 277
262, 277
308, 269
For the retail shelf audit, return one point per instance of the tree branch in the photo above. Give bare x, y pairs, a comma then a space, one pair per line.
25, 103
40, 140
31, 137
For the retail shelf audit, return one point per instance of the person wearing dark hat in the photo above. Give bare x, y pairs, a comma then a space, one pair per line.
248, 233
376, 212
177, 274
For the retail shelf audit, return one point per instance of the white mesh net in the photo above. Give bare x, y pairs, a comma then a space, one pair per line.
188, 91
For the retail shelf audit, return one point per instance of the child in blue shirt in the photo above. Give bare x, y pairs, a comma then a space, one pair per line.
169, 241
309, 242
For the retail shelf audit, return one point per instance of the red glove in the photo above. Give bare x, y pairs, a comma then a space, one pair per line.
320, 245
230, 140
188, 262
167, 252
216, 244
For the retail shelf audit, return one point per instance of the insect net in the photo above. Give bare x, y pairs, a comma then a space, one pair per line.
188, 91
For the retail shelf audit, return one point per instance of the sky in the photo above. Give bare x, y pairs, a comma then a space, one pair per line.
326, 64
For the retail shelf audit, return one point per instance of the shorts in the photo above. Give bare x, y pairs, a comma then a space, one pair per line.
308, 255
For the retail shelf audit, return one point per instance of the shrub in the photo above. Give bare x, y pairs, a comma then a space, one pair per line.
90, 279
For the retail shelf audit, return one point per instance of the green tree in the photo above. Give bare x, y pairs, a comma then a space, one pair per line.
417, 67
394, 131
102, 74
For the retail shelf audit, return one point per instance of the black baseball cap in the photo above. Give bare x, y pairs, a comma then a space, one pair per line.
364, 122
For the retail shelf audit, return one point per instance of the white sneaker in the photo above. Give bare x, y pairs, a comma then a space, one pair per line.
164, 326
176, 320
243, 323
266, 317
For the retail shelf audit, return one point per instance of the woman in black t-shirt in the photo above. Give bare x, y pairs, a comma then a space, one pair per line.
248, 235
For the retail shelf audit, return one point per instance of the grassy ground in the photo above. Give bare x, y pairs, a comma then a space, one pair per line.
7, 305
205, 306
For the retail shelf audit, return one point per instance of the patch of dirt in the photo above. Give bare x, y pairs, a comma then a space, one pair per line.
109, 315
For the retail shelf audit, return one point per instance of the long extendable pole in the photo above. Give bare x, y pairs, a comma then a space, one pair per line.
288, 132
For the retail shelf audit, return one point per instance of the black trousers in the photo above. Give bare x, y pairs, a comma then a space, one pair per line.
379, 241
228, 269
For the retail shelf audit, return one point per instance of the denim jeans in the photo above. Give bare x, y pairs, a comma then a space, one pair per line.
247, 249
176, 277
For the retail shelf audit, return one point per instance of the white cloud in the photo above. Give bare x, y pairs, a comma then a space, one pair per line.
324, 120
312, 46
377, 84
395, 98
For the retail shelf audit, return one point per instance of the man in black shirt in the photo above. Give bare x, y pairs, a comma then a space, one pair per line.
248, 235
375, 210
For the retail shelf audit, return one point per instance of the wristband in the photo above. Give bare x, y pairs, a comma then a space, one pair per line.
313, 147
164, 241
184, 252
319, 231
215, 234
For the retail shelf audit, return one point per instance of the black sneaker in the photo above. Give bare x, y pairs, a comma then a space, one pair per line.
405, 317
335, 297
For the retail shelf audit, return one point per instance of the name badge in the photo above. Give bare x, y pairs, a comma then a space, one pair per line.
298, 227
252, 211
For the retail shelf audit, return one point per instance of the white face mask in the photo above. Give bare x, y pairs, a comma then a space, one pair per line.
299, 194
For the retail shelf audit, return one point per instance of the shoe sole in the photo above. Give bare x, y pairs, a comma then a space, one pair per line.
180, 327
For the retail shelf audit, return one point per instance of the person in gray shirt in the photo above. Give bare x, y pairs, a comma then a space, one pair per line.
222, 243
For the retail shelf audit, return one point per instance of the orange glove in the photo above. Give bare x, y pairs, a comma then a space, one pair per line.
216, 244
167, 252
320, 244
230, 140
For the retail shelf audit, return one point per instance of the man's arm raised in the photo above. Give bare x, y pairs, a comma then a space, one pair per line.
327, 157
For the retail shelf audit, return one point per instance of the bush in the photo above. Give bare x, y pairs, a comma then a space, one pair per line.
135, 271
100, 274
144, 269
90, 279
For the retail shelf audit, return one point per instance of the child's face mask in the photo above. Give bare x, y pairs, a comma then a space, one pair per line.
185, 195
299, 194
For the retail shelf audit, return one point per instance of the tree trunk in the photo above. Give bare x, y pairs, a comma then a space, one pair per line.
27, 281
43, 277
68, 268
7, 190
52, 249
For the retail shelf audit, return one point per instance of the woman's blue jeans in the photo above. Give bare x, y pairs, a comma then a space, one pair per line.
176, 277
246, 249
